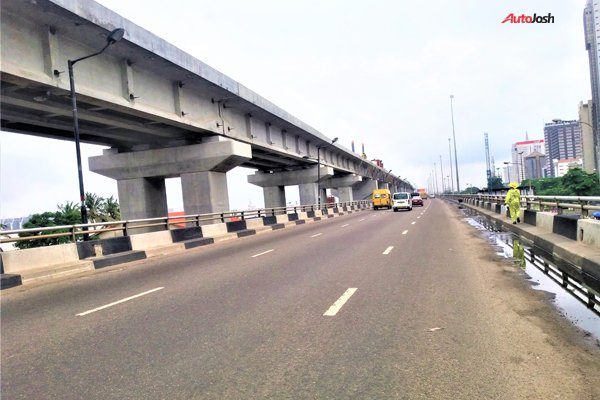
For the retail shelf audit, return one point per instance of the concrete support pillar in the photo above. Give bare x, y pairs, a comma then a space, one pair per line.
345, 194
274, 196
204, 192
142, 198
309, 195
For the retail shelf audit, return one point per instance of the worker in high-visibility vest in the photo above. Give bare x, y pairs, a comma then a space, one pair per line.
513, 201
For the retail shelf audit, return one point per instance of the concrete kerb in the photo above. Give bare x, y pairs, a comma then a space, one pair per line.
34, 265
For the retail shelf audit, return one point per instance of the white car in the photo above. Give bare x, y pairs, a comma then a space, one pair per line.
401, 200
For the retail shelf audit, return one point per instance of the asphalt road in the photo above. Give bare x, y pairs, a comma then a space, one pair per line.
372, 305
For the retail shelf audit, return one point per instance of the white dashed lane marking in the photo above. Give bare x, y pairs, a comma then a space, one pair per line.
340, 302
264, 252
118, 302
388, 250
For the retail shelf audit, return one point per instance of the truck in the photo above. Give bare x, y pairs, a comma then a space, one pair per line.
422, 193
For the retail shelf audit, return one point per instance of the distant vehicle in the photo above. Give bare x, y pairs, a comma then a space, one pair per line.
402, 200
432, 196
382, 198
416, 199
423, 193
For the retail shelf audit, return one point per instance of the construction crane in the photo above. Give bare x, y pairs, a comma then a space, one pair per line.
487, 161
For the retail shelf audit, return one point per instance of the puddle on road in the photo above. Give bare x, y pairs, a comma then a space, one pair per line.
508, 245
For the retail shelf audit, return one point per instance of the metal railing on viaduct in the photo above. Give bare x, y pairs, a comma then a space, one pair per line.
126, 228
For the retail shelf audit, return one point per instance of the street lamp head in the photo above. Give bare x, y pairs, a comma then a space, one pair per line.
115, 36
334, 140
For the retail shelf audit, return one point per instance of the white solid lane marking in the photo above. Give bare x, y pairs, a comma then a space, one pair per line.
118, 302
418, 217
264, 252
405, 232
340, 302
387, 251
412, 223
317, 234
361, 220
343, 226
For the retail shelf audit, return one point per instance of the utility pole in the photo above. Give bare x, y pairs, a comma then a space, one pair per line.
442, 170
454, 138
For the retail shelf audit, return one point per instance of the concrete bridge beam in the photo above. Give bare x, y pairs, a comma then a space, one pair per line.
289, 178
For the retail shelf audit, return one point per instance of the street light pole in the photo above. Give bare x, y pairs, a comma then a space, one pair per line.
319, 170
451, 172
112, 38
442, 170
454, 138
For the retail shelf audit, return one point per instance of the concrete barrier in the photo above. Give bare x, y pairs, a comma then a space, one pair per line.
19, 261
60, 260
183, 234
255, 223
566, 225
213, 230
103, 247
544, 220
529, 217
152, 240
588, 232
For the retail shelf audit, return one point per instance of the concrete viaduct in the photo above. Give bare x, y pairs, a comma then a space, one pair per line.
162, 113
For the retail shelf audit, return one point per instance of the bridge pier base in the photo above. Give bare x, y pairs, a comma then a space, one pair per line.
204, 192
202, 167
345, 194
142, 198
274, 196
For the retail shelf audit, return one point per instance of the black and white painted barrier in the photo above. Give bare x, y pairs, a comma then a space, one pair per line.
29, 265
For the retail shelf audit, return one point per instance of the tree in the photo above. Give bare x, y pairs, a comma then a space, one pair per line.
95, 206
574, 183
580, 183
495, 182
68, 213
111, 210
471, 190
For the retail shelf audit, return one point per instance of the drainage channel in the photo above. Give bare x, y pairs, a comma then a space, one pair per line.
572, 298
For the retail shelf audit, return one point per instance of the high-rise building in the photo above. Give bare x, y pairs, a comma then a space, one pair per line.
591, 16
563, 141
520, 151
534, 165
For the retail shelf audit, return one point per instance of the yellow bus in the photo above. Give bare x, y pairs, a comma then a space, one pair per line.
382, 198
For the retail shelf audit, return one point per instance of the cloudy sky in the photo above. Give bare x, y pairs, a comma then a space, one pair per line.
377, 72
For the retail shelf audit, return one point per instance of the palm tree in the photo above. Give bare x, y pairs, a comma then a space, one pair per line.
111, 210
94, 205
68, 208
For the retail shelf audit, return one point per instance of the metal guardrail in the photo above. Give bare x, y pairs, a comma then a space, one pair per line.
77, 232
557, 204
